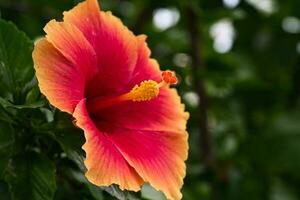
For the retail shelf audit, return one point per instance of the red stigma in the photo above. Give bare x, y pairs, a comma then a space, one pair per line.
169, 77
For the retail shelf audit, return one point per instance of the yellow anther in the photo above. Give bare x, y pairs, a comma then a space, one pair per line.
145, 91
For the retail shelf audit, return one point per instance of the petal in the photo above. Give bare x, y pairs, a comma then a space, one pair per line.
86, 17
73, 45
59, 80
145, 68
105, 164
115, 46
157, 156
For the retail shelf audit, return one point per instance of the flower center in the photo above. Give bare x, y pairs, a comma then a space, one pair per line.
145, 91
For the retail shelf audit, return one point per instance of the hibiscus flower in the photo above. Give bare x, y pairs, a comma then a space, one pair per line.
91, 66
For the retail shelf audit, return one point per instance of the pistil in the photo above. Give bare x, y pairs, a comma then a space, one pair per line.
145, 91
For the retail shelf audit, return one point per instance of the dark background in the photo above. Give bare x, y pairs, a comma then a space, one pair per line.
239, 67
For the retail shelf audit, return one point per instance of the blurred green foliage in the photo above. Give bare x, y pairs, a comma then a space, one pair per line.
252, 89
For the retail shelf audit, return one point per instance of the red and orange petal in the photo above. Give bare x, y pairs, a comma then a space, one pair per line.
105, 164
70, 42
157, 156
59, 79
114, 44
149, 67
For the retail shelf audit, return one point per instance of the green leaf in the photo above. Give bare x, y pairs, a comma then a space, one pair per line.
16, 69
96, 192
7, 104
33, 95
5, 116
148, 192
32, 177
6, 145
115, 191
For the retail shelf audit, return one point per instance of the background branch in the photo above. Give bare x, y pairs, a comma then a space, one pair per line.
198, 66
